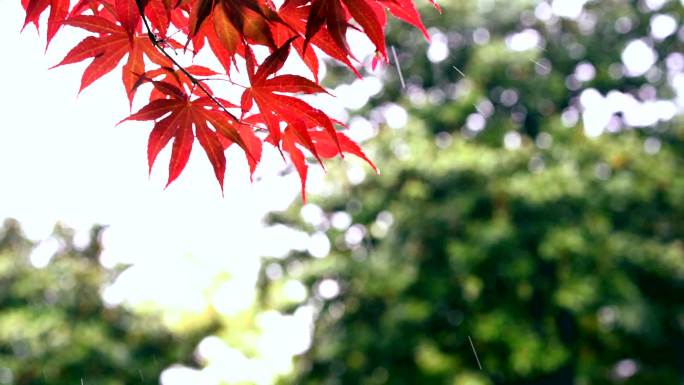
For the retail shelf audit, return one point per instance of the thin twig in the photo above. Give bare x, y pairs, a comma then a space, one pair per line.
459, 71
478, 110
193, 79
545, 68
222, 80
396, 63
475, 352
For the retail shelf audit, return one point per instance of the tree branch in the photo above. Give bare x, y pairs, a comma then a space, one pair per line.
193, 79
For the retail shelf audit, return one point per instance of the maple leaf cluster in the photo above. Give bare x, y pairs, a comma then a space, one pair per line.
184, 107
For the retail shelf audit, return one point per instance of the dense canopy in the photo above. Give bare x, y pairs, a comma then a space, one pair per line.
531, 200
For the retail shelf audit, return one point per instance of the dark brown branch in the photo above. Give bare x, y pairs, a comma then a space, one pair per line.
155, 41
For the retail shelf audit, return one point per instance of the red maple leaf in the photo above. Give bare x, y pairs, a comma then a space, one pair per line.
406, 10
128, 15
274, 107
58, 12
307, 127
335, 15
294, 12
177, 115
108, 49
235, 20
326, 148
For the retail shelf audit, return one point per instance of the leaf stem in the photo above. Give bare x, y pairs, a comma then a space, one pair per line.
223, 80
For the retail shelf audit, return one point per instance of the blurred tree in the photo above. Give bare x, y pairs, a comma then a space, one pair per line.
519, 207
55, 328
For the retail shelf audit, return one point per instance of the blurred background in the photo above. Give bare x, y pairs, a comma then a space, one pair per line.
527, 226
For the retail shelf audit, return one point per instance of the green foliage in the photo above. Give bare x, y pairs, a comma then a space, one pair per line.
55, 329
562, 257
